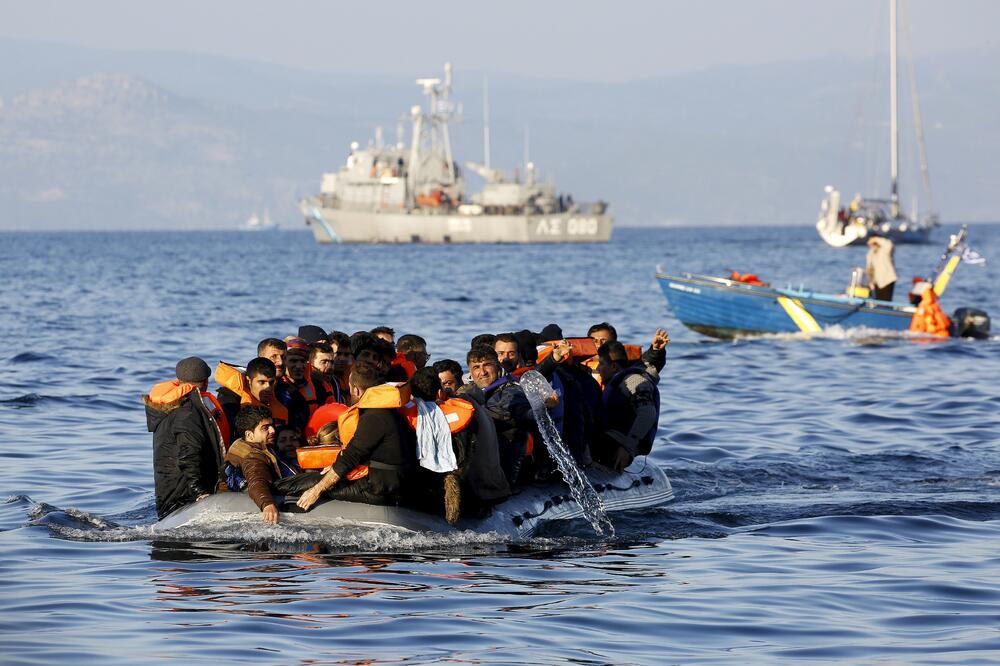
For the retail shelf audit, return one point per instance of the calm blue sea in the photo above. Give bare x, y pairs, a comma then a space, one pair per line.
838, 499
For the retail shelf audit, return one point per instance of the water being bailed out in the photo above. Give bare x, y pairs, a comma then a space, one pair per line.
538, 390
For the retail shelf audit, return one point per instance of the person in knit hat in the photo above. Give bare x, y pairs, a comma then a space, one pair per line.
188, 443
193, 370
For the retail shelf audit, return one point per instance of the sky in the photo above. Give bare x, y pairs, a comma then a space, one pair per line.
583, 40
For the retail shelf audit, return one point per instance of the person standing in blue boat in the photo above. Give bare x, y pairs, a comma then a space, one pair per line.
880, 268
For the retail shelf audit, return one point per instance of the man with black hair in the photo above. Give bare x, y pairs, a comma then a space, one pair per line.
254, 465
368, 348
507, 405
508, 352
602, 333
632, 402
450, 375
297, 390
483, 340
414, 348
321, 368
343, 359
527, 347
654, 358
273, 350
188, 443
479, 482
255, 387
385, 333
383, 441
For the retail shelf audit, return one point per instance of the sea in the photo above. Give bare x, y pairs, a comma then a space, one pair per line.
837, 496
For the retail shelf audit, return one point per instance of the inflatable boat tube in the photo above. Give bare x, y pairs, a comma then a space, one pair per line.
642, 485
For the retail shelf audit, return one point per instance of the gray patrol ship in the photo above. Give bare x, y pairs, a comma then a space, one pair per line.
416, 193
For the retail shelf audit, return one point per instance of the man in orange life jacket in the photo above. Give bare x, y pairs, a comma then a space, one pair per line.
298, 390
343, 359
631, 406
321, 359
187, 441
255, 388
414, 348
383, 441
273, 350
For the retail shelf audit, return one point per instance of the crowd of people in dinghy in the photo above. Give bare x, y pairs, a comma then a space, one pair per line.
366, 418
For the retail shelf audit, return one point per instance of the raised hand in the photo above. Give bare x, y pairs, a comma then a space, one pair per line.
660, 339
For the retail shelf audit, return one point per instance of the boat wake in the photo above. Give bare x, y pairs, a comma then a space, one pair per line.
860, 335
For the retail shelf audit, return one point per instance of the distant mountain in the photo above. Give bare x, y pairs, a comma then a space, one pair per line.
112, 140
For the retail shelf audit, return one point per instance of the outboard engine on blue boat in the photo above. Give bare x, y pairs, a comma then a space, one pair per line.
970, 323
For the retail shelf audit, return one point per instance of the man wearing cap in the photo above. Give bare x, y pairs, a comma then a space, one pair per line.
188, 443
312, 334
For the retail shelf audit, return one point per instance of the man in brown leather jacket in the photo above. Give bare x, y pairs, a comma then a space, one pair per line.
253, 457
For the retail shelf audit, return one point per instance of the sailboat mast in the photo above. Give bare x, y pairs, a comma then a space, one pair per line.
893, 110
486, 122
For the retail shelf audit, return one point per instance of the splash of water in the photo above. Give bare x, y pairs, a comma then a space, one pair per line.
537, 390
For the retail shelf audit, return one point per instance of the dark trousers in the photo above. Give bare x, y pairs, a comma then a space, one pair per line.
358, 491
296, 484
884, 293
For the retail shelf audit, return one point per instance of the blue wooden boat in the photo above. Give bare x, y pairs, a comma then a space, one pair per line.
729, 307
725, 308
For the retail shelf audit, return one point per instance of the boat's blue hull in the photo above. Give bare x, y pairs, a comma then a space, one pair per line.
724, 308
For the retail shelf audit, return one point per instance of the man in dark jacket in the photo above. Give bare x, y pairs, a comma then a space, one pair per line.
632, 405
508, 407
383, 441
187, 442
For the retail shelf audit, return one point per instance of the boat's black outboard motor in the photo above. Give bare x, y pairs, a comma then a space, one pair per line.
970, 323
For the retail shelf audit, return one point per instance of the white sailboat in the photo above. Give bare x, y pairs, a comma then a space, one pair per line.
256, 223
841, 225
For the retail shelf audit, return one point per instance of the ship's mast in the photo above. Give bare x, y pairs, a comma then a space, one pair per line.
486, 123
431, 128
893, 110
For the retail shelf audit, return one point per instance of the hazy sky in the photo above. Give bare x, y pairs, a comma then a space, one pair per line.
579, 40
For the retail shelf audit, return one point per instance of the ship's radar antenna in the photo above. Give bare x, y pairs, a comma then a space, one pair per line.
430, 132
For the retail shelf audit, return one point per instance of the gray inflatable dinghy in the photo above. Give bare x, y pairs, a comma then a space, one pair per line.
642, 485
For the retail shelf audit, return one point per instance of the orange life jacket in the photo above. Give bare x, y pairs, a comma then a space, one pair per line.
747, 278
579, 348
383, 396
406, 364
328, 413
314, 398
236, 381
929, 318
172, 391
458, 412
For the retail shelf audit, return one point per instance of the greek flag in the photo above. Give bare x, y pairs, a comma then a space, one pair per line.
970, 256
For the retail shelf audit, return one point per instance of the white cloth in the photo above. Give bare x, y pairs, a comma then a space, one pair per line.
434, 450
